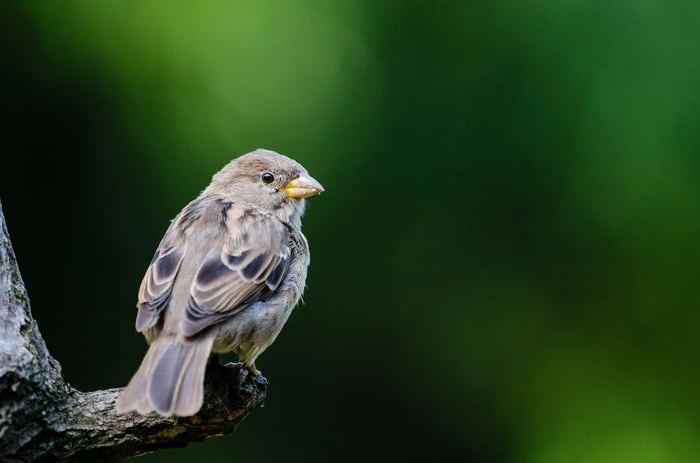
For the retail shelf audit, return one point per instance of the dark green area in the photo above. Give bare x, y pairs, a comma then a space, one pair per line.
505, 263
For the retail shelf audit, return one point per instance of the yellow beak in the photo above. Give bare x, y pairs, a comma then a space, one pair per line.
302, 187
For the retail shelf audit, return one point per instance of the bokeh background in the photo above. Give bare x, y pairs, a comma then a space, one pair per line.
505, 264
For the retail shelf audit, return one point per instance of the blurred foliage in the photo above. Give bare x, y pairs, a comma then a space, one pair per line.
505, 262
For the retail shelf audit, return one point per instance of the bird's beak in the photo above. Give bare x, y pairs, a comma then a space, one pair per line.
302, 187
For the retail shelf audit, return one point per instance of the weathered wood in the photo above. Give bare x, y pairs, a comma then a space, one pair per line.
42, 418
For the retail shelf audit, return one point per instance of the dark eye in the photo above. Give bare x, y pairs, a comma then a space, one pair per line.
267, 177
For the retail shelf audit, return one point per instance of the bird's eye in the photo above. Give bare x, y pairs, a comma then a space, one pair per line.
267, 177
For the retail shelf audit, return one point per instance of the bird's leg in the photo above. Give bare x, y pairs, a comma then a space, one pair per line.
246, 370
253, 369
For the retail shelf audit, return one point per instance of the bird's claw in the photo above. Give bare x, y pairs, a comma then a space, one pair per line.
245, 371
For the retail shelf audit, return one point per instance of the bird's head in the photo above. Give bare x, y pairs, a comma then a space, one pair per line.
267, 180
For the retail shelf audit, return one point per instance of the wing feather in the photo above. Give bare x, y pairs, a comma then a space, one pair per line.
250, 263
157, 284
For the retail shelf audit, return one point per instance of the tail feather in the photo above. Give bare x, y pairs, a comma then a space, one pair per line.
170, 379
190, 394
134, 396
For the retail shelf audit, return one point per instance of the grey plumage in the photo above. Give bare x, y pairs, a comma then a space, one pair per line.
227, 274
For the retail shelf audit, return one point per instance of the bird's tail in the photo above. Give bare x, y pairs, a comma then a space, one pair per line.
170, 379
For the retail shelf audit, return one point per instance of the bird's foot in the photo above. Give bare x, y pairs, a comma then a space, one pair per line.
254, 370
246, 371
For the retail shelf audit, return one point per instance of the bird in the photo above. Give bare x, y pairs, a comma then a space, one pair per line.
226, 276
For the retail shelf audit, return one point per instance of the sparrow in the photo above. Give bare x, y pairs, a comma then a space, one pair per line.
225, 278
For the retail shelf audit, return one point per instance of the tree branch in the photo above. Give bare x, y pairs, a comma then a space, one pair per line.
43, 418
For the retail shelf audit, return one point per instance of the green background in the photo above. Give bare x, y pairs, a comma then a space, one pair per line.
504, 264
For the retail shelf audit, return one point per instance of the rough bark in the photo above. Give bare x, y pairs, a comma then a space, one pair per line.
42, 418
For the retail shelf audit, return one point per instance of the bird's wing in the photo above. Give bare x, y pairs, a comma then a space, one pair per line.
157, 284
250, 263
